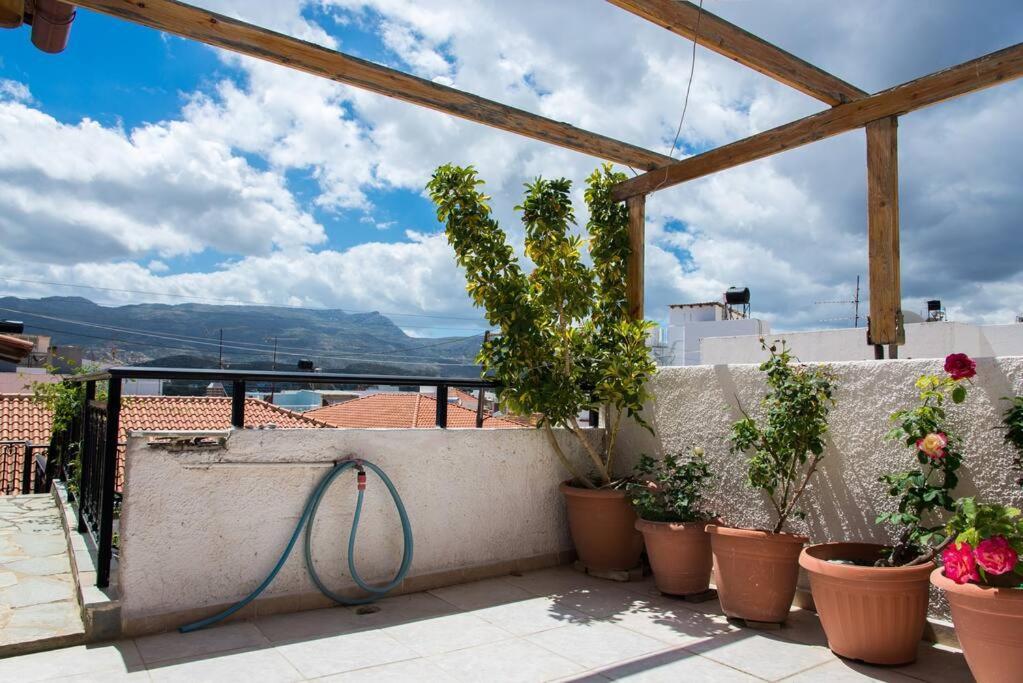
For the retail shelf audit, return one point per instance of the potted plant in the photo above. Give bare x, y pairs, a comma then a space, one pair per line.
668, 501
981, 578
872, 599
566, 342
755, 570
1013, 421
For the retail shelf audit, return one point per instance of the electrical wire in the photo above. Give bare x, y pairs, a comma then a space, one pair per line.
689, 86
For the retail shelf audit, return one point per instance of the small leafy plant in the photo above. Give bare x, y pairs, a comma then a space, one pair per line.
566, 342
986, 542
671, 489
786, 445
926, 490
1013, 421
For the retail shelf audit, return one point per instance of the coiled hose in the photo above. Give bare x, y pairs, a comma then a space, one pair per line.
306, 521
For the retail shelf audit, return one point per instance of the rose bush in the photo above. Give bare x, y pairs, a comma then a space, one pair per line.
995, 555
960, 366
985, 539
960, 564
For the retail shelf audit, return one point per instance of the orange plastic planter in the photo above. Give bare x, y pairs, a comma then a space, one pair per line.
603, 527
873, 614
989, 623
755, 572
679, 555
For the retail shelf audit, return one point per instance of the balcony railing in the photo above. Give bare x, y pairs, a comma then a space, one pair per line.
97, 431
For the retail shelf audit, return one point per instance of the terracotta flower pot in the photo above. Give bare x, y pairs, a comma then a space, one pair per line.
874, 614
679, 555
603, 527
989, 623
755, 572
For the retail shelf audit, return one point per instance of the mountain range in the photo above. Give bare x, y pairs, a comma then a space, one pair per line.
188, 335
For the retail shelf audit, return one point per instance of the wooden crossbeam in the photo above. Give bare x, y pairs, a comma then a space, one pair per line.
984, 72
725, 38
231, 34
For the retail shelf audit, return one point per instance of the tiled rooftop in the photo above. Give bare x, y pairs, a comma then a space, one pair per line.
553, 624
400, 410
23, 418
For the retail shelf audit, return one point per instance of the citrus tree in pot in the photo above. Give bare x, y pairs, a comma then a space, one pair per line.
566, 342
668, 499
982, 579
755, 570
871, 598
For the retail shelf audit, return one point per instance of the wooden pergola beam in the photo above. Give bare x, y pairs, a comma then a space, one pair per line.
725, 38
635, 282
231, 34
883, 232
984, 72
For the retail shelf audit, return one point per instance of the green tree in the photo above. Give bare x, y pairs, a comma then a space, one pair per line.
786, 445
566, 342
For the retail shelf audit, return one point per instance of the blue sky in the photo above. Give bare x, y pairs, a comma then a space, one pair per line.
141, 161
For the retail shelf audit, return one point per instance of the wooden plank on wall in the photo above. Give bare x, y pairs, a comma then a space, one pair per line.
637, 254
714, 33
984, 72
230, 34
883, 230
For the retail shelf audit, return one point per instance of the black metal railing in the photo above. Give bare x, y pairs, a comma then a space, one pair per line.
96, 433
13, 472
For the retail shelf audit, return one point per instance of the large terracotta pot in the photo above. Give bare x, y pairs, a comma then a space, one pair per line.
755, 572
679, 555
989, 623
603, 526
874, 614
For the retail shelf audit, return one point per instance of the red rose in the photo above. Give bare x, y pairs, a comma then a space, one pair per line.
995, 555
960, 366
960, 565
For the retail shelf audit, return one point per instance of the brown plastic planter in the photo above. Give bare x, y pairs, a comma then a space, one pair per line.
755, 572
679, 555
873, 614
989, 623
603, 527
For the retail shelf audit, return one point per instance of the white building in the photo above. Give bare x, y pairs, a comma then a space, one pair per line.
923, 340
689, 324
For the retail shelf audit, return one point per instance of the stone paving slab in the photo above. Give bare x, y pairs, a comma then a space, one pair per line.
585, 629
38, 605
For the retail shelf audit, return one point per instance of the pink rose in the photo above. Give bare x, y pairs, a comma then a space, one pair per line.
995, 555
960, 366
933, 445
960, 565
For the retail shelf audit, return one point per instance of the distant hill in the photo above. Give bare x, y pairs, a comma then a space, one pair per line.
187, 335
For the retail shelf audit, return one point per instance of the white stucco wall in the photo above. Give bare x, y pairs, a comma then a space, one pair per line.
923, 340
194, 537
696, 406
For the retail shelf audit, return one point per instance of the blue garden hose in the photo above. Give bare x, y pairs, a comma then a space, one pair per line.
306, 521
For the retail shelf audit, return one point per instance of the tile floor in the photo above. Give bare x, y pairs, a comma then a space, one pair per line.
38, 606
550, 625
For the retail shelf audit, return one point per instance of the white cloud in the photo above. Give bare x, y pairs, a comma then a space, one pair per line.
791, 227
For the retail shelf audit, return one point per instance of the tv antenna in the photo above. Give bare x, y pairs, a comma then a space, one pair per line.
855, 302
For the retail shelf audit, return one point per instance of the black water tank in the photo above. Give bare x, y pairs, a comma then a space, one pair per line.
737, 296
12, 327
306, 364
934, 305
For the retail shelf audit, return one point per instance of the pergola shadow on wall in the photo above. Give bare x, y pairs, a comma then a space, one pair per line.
849, 108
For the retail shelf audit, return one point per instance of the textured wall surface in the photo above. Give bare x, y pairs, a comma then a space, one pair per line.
194, 536
696, 406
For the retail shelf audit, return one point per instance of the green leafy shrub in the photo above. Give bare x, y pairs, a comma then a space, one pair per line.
786, 445
984, 542
566, 342
1013, 421
671, 489
925, 491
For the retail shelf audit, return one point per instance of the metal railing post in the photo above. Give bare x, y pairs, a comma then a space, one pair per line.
109, 472
442, 406
238, 404
26, 469
85, 464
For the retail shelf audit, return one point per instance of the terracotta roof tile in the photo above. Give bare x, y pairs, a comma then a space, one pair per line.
22, 418
399, 410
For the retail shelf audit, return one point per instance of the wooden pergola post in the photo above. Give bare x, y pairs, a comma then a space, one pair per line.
637, 236
885, 322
